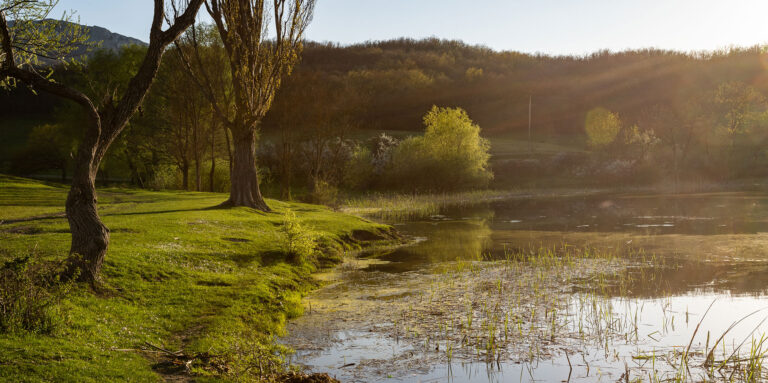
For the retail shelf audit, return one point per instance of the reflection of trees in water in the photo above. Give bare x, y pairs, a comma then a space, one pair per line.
703, 214
446, 241
678, 277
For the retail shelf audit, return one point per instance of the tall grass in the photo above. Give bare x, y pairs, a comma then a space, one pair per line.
391, 207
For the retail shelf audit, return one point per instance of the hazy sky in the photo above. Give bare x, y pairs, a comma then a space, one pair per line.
547, 26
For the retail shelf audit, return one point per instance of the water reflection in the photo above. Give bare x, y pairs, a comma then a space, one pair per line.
736, 213
696, 249
443, 241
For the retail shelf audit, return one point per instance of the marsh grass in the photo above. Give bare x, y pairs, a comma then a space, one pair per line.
562, 303
398, 207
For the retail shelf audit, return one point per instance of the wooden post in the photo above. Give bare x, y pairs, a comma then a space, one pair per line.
530, 104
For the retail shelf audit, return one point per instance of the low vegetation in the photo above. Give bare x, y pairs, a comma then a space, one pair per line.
217, 285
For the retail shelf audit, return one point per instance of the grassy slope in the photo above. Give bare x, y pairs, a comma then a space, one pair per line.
179, 275
504, 146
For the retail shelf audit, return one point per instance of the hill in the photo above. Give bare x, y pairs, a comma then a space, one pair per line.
399, 80
103, 37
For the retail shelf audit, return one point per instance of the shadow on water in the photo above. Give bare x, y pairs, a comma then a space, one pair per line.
389, 317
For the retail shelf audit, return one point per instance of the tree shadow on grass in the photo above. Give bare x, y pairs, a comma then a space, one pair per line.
209, 208
265, 259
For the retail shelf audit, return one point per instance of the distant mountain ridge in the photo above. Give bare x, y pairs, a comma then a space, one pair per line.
109, 40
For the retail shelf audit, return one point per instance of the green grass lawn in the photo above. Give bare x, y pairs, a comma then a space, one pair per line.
178, 275
506, 146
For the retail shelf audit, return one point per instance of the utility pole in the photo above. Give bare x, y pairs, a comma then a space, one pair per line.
530, 104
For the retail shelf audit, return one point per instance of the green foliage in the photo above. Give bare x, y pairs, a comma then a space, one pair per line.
741, 108
166, 177
299, 242
360, 169
48, 147
392, 80
325, 193
253, 357
36, 38
602, 127
107, 73
30, 296
451, 155
473, 74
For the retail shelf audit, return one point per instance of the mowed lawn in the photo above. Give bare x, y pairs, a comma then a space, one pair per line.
178, 275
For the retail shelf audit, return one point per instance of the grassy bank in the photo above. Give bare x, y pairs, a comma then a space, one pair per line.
179, 276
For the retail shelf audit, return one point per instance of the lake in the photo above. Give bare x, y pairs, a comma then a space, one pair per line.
589, 288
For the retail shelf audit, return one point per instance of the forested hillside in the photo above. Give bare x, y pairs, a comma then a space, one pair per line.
400, 79
694, 116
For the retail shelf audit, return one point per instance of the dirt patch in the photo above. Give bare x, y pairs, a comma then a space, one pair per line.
24, 230
236, 240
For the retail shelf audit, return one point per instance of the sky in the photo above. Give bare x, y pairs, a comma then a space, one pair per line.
557, 27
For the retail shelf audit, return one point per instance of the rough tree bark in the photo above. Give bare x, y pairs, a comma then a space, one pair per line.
90, 238
244, 190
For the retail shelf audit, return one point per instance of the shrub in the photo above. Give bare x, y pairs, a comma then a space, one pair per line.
382, 148
30, 296
451, 155
360, 169
602, 127
220, 176
323, 193
166, 177
299, 242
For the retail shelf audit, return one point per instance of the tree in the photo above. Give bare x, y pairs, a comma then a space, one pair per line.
202, 54
106, 120
258, 62
602, 127
740, 107
451, 154
675, 127
48, 147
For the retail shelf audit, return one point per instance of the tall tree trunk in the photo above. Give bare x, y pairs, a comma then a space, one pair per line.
196, 153
213, 155
185, 175
229, 149
244, 190
285, 191
198, 176
90, 238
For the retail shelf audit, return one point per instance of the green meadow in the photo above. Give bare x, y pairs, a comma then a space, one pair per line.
179, 275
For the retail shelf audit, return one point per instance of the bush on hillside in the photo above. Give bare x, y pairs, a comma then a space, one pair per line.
450, 155
299, 242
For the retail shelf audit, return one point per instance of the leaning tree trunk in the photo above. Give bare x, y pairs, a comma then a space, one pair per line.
244, 189
90, 238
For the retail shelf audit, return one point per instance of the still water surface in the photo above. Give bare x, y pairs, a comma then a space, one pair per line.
699, 250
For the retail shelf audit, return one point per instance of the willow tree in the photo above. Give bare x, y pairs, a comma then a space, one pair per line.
263, 41
25, 40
